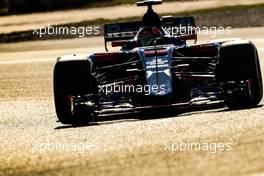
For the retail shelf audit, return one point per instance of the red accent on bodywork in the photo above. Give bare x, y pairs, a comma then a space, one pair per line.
203, 50
188, 37
106, 57
156, 52
119, 43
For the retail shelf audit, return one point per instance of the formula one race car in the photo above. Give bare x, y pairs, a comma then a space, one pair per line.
155, 69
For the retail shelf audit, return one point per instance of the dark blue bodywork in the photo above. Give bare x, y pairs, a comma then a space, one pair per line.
157, 67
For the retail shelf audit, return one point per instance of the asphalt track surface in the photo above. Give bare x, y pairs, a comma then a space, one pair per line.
144, 145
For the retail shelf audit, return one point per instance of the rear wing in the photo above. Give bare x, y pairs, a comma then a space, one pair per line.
128, 30
184, 27
120, 31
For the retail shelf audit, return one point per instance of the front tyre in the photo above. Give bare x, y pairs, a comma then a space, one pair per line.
239, 61
71, 79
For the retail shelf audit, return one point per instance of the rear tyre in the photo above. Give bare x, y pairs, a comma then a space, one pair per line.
73, 78
239, 61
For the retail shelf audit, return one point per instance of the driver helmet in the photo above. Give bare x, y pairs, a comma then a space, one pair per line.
151, 19
148, 35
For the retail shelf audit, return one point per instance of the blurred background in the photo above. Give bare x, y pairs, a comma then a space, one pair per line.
18, 18
25, 6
